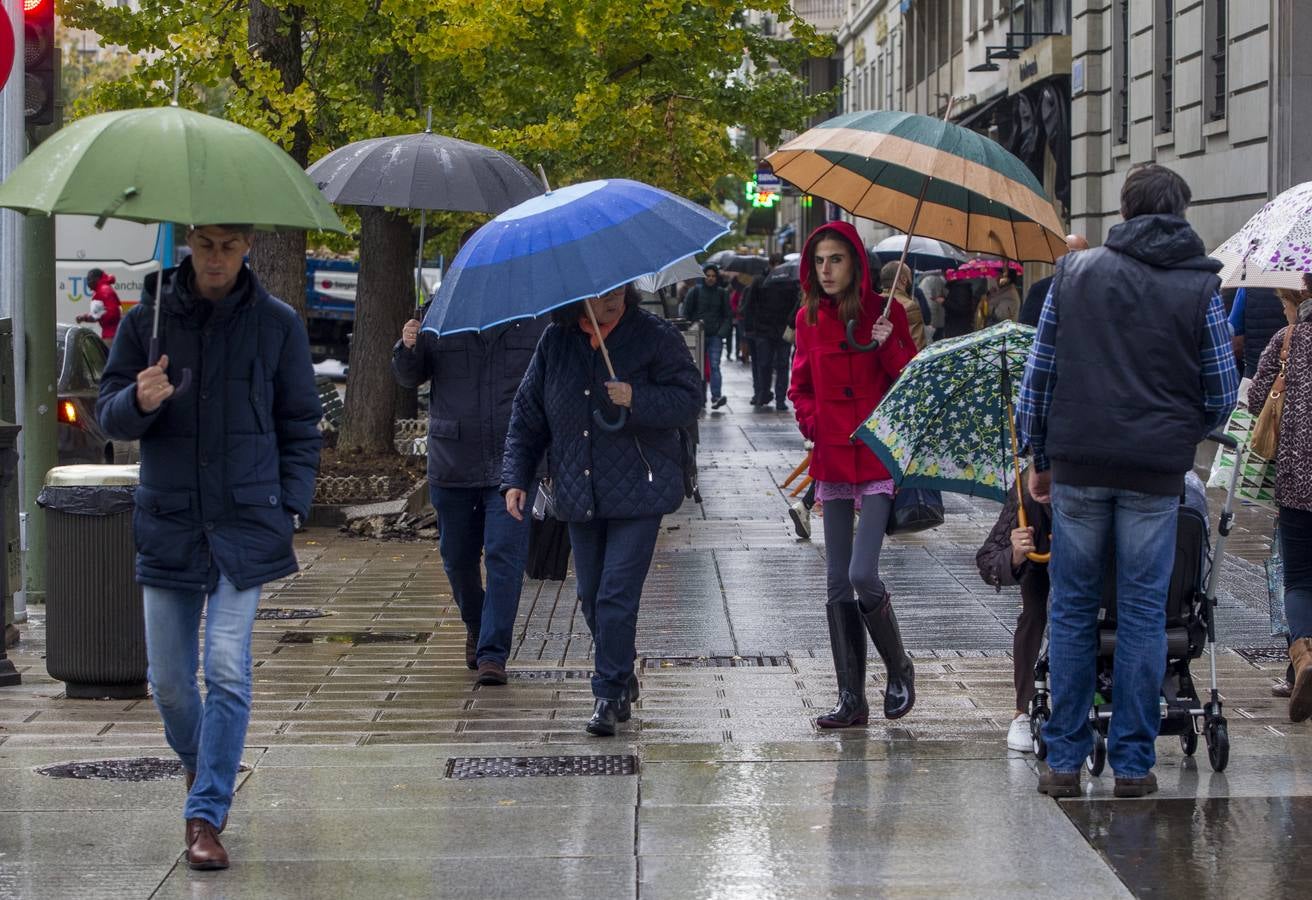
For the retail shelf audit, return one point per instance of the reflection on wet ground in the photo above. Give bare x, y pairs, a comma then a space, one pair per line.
1249, 847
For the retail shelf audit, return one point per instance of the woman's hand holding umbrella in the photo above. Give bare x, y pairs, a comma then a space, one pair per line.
879, 333
621, 393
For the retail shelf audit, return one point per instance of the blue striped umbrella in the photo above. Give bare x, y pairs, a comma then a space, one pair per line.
569, 244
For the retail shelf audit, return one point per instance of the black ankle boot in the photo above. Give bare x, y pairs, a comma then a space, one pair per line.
848, 642
606, 717
633, 687
900, 692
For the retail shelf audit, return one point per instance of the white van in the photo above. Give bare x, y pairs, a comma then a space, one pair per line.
126, 250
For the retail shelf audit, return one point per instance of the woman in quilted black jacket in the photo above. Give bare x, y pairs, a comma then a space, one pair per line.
611, 487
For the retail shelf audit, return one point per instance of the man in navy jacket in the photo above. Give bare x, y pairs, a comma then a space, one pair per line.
227, 465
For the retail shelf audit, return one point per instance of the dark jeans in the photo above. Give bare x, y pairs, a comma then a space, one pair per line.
1296, 552
1028, 639
770, 362
474, 522
611, 559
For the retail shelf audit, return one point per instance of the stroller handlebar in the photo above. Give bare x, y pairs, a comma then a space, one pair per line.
1224, 440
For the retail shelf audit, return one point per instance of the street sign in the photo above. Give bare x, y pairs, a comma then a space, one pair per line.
768, 181
6, 48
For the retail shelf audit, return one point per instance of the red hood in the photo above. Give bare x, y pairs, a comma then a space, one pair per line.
845, 229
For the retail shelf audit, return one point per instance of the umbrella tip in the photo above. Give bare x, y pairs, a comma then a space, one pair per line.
542, 173
177, 80
428, 129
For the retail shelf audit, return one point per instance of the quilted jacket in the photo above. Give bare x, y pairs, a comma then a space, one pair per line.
225, 465
634, 473
834, 386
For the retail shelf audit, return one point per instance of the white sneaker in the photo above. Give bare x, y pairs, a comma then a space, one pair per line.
1018, 735
801, 517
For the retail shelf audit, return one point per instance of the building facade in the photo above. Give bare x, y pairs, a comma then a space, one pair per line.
1083, 90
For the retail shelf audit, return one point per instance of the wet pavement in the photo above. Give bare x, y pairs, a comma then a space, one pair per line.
365, 719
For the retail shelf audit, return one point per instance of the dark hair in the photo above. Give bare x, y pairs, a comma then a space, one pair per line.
94, 276
849, 305
568, 315
710, 267
1151, 189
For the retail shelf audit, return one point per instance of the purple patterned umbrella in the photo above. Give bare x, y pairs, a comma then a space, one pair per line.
1274, 248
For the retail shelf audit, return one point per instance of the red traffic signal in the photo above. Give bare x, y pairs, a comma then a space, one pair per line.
39, 61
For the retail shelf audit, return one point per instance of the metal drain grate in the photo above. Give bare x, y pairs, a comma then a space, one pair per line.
1263, 654
355, 637
139, 768
534, 766
279, 612
712, 662
548, 674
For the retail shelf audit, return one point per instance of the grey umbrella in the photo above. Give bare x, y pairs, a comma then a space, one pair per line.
424, 171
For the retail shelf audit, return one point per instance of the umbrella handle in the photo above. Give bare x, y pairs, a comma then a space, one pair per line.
617, 425
184, 380
1015, 458
851, 338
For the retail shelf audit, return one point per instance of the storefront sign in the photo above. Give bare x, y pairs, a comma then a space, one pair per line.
1049, 57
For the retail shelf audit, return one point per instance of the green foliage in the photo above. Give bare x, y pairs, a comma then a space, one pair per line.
644, 89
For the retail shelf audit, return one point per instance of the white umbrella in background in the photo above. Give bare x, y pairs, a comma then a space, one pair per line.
683, 270
1274, 248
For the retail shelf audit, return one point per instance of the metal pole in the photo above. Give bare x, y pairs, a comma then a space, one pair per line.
13, 147
37, 381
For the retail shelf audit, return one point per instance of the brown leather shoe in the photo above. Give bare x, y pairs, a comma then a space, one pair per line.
191, 779
1300, 697
1135, 787
1059, 784
471, 651
491, 672
203, 848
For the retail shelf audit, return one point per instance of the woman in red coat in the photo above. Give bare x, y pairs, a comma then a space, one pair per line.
835, 387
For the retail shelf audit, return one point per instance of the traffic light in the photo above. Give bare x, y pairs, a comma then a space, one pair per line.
39, 62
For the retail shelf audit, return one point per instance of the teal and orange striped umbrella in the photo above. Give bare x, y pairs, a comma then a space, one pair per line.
928, 177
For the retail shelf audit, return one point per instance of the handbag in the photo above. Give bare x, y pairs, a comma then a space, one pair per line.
915, 509
1266, 433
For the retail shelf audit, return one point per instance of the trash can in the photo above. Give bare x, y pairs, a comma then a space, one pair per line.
95, 625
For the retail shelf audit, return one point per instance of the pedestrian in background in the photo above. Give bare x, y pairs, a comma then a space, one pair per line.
1113, 413
106, 309
611, 487
1290, 352
227, 467
769, 311
708, 303
835, 386
959, 305
934, 287
901, 291
473, 377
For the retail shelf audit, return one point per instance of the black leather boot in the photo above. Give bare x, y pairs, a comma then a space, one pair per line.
900, 692
848, 642
606, 716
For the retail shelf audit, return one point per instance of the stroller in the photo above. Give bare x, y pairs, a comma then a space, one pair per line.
1190, 630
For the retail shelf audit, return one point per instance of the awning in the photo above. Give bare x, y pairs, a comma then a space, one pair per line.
980, 111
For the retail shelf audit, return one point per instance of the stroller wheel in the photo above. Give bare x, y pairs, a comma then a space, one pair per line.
1037, 720
1218, 744
1097, 760
1189, 740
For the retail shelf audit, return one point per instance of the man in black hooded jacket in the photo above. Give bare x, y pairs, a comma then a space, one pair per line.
1130, 370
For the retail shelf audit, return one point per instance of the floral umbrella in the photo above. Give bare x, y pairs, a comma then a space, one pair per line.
945, 423
1274, 248
983, 268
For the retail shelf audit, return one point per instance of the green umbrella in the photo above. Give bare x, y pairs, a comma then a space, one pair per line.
946, 422
167, 164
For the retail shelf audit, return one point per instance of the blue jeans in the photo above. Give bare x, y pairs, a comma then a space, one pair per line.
611, 559
714, 349
208, 736
1296, 554
1090, 523
474, 522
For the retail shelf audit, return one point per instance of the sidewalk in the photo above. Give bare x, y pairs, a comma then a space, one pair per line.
358, 715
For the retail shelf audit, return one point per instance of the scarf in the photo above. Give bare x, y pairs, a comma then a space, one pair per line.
586, 324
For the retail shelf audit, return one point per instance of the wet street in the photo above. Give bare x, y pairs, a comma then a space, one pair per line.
377, 768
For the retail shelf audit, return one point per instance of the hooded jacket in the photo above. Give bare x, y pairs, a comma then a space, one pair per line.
1128, 406
226, 464
110, 309
834, 386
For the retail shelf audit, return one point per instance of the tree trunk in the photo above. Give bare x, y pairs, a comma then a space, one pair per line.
383, 303
278, 259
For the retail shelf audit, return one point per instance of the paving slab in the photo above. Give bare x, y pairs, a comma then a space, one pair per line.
25, 880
